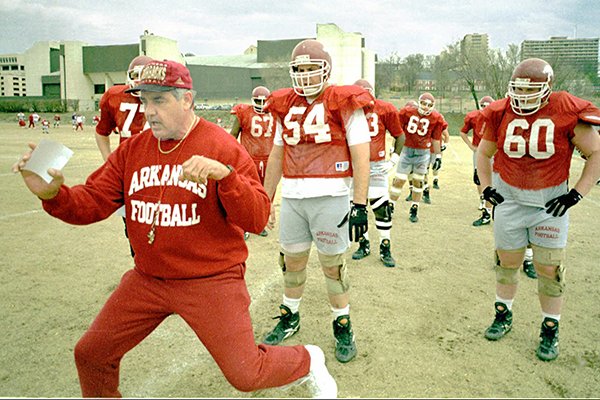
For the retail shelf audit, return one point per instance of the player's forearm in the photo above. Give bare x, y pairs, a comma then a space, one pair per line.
361, 168
590, 174
103, 143
484, 168
274, 171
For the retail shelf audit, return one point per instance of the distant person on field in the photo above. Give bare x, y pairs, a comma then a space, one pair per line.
21, 119
56, 120
254, 128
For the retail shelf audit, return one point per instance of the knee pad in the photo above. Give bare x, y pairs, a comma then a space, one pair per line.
506, 276
341, 285
383, 213
547, 256
294, 279
552, 287
331, 261
418, 177
476, 178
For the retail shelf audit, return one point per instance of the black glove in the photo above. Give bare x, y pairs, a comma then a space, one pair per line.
490, 194
559, 205
437, 164
357, 219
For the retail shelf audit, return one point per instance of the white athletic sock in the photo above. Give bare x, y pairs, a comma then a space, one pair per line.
366, 235
384, 234
292, 304
508, 303
338, 312
553, 316
529, 254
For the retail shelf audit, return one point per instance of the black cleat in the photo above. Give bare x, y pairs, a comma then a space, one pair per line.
264, 233
548, 347
414, 209
485, 219
364, 249
435, 184
529, 269
426, 197
246, 235
345, 346
502, 322
288, 325
409, 197
385, 253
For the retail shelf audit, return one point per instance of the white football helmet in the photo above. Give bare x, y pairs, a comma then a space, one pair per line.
363, 83
530, 86
309, 52
259, 98
426, 103
134, 71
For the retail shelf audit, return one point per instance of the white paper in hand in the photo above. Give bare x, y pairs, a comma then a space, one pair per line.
48, 154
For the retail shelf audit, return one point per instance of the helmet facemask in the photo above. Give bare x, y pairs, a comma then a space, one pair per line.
525, 102
425, 106
258, 103
301, 81
133, 78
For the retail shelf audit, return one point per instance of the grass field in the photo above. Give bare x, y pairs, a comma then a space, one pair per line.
419, 326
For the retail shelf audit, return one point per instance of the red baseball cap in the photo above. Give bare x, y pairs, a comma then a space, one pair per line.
162, 76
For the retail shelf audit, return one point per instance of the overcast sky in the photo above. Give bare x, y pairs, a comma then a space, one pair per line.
209, 27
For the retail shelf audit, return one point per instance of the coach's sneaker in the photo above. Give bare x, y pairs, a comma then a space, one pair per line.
435, 184
414, 209
529, 269
426, 197
548, 347
345, 346
409, 197
320, 381
502, 322
364, 249
385, 253
485, 219
288, 325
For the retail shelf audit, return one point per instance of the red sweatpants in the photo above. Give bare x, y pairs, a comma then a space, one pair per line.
216, 308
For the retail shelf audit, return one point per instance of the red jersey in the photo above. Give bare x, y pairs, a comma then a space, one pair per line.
420, 129
193, 218
475, 122
381, 117
256, 134
122, 112
534, 151
314, 135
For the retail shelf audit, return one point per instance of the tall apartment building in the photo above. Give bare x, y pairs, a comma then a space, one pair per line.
12, 75
475, 43
581, 54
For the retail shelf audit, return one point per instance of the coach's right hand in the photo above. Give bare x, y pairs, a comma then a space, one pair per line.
34, 182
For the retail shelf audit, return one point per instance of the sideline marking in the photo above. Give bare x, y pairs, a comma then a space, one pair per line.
19, 214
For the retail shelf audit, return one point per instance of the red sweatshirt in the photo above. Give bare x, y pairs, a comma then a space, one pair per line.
200, 229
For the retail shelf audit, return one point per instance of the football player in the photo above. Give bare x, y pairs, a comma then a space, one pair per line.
443, 141
474, 121
256, 129
423, 127
122, 112
119, 111
531, 135
321, 143
381, 116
